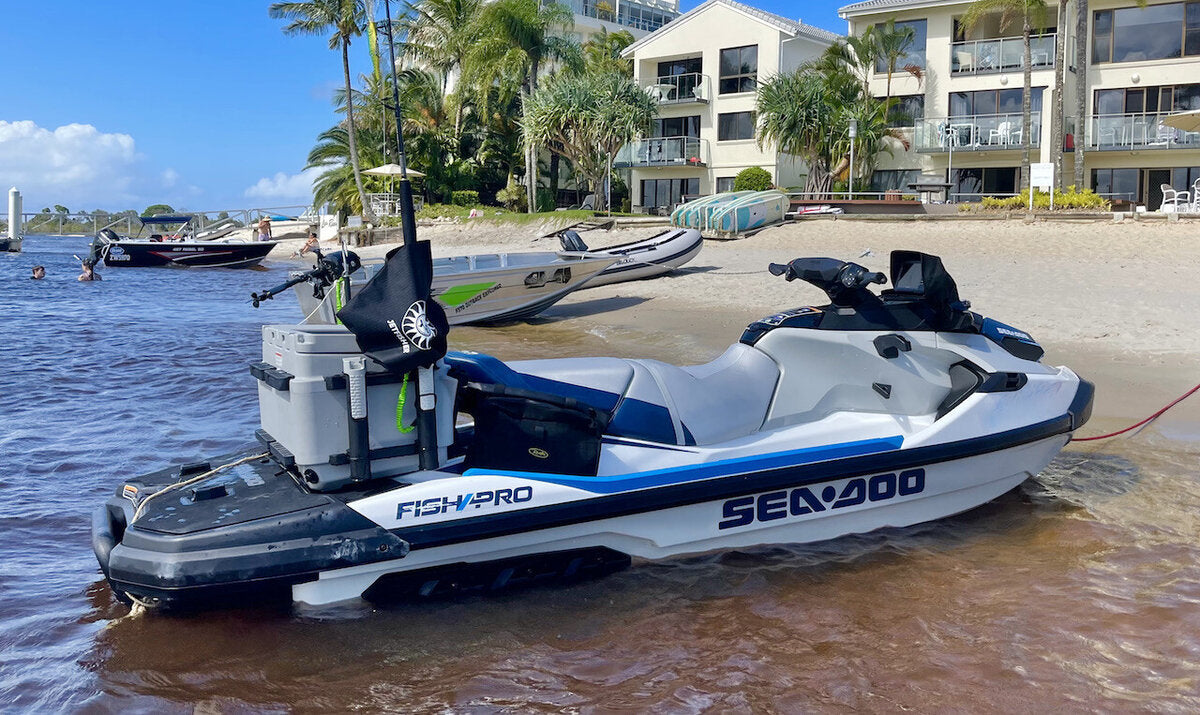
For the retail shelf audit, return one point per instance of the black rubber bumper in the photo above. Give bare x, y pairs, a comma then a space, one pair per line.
260, 558
1080, 410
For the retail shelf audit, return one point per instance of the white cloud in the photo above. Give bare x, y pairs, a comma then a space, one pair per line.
74, 164
170, 177
283, 187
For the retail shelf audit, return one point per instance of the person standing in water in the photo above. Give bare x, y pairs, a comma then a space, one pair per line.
39, 272
264, 229
89, 273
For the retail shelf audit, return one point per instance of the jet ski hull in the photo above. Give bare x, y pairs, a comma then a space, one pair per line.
324, 548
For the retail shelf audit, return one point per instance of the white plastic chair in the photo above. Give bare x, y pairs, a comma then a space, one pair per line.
1001, 132
1179, 201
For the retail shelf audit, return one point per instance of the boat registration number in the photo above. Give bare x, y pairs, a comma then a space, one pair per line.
742, 511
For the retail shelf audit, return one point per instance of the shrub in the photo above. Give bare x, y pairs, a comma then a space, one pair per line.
464, 197
1064, 200
754, 178
512, 196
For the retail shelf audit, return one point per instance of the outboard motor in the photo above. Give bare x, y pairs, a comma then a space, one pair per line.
571, 241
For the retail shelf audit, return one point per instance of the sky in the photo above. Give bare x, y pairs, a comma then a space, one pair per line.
199, 104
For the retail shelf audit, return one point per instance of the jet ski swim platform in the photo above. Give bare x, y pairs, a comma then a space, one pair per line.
876, 410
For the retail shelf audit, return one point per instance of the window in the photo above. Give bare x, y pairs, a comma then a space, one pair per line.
1155, 32
915, 55
676, 127
735, 125
973, 184
1116, 183
725, 184
894, 179
739, 69
992, 101
1147, 100
674, 68
906, 111
665, 193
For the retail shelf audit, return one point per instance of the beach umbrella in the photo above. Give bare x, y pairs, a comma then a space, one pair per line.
1186, 121
391, 170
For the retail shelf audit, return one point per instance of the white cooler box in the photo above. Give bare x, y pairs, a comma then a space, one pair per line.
304, 409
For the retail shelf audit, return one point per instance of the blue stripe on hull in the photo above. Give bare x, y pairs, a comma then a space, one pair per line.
693, 472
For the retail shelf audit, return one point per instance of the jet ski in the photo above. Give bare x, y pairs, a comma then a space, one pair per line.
878, 409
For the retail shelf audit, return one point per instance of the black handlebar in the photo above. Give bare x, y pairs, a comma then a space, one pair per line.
845, 283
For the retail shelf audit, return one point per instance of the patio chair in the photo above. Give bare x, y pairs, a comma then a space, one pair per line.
1179, 201
965, 61
1003, 133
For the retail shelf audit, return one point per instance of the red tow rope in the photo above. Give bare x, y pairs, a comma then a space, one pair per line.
1146, 421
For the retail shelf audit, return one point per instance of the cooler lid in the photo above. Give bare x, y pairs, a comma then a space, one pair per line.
311, 338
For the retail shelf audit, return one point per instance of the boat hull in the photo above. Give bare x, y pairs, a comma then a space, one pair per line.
649, 258
190, 254
10, 245
492, 288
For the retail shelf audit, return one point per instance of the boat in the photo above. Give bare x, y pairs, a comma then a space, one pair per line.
480, 289
878, 409
649, 257
10, 244
732, 212
174, 244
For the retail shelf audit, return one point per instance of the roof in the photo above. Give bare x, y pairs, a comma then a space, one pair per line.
870, 6
795, 28
170, 218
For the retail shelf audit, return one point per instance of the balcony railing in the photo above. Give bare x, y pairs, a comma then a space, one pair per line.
1116, 132
663, 151
648, 15
678, 88
1005, 54
978, 132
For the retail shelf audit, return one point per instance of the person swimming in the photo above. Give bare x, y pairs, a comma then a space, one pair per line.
89, 272
39, 272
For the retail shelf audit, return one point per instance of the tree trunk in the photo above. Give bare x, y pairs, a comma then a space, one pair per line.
554, 169
362, 193
1026, 107
1081, 120
1058, 100
531, 168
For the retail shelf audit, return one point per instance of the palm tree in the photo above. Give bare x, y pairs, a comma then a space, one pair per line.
588, 118
440, 33
806, 113
516, 39
892, 43
345, 18
1032, 15
336, 185
602, 53
1081, 90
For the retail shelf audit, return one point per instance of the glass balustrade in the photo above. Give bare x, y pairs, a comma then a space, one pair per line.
977, 132
663, 151
1004, 54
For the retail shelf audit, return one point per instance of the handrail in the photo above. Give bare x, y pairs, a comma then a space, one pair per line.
1001, 54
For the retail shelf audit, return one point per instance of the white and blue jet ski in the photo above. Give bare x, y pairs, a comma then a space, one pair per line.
876, 410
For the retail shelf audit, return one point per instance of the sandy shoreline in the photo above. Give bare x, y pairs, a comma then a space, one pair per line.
1120, 303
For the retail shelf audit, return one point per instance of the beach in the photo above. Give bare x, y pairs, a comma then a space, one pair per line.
1119, 302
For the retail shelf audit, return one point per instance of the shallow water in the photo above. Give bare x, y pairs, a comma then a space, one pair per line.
1078, 590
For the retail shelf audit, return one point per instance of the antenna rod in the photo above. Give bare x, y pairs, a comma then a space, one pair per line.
408, 219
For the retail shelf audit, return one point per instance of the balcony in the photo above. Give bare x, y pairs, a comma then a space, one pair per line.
979, 132
646, 15
1004, 54
1126, 132
689, 88
663, 151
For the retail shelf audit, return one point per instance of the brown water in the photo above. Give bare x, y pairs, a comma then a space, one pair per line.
1080, 590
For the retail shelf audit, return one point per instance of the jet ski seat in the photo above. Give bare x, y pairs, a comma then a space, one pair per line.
647, 399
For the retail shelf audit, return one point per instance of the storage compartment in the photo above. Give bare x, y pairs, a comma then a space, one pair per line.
304, 406
523, 431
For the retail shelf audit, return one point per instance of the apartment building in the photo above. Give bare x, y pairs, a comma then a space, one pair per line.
703, 70
962, 116
637, 17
